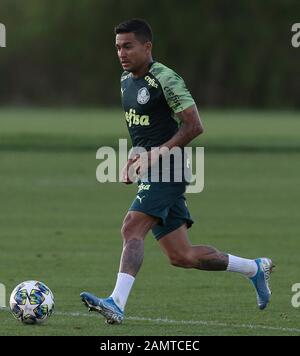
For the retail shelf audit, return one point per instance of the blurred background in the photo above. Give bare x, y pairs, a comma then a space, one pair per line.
231, 53
60, 102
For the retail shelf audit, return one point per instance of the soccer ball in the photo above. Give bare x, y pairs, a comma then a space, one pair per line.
31, 302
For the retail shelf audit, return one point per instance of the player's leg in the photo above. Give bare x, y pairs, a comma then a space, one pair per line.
135, 227
182, 253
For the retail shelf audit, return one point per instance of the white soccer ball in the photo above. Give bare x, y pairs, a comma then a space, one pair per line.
31, 302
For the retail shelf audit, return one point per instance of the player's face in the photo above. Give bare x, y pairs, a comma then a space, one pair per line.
131, 52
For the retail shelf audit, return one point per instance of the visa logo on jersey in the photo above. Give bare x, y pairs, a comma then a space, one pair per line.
135, 119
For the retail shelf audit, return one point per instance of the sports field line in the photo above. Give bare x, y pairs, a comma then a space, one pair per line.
192, 322
183, 322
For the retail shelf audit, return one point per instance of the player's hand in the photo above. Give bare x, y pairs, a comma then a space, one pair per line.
144, 161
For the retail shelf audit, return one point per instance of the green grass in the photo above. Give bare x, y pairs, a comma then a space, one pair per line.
60, 226
70, 129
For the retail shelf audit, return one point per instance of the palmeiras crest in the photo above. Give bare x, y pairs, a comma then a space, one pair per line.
143, 96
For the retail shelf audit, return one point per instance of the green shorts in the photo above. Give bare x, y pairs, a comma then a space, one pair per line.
165, 201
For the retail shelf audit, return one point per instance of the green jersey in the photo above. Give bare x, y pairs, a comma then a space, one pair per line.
150, 104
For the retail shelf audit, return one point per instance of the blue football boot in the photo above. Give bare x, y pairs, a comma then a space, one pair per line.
107, 307
261, 281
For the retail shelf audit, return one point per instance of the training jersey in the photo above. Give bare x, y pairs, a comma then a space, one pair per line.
150, 104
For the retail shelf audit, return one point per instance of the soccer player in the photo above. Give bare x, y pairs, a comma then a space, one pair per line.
152, 94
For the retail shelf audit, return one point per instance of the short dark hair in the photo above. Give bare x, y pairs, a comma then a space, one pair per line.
139, 27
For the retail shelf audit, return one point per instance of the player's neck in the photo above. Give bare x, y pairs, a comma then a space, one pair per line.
143, 70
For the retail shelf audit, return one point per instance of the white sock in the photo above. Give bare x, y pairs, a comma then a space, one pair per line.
122, 289
242, 265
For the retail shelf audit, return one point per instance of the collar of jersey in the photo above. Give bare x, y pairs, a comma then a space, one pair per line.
139, 78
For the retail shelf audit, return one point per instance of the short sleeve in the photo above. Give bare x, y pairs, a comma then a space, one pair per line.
175, 91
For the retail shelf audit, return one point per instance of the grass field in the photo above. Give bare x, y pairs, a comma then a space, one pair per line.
58, 225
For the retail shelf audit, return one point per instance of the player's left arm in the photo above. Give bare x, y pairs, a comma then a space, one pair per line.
181, 102
191, 127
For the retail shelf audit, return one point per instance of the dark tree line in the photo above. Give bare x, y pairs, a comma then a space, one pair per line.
231, 53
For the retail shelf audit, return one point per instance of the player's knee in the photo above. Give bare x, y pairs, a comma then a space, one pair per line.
129, 230
181, 260
127, 227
